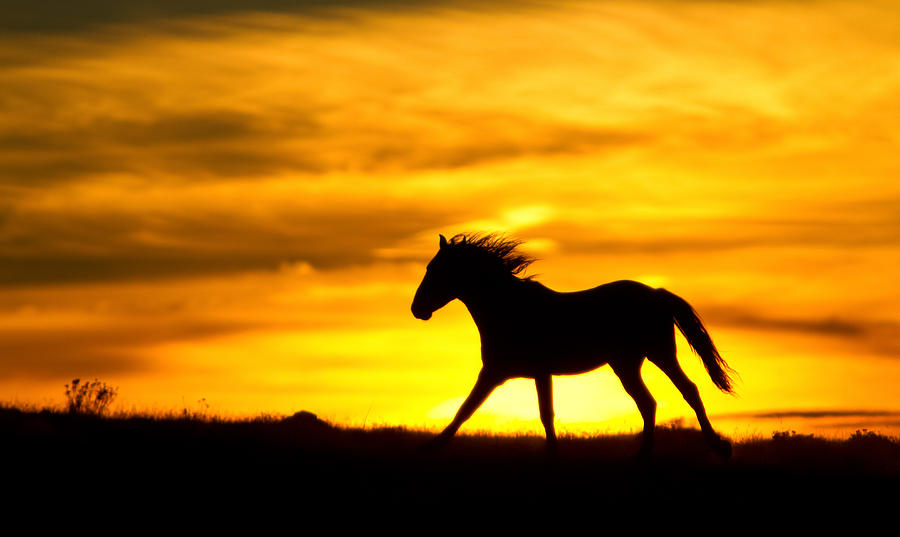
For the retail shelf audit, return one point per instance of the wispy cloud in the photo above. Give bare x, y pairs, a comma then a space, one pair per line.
63, 16
813, 414
113, 348
880, 335
215, 145
114, 233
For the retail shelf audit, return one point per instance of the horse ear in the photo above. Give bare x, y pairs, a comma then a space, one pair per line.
443, 242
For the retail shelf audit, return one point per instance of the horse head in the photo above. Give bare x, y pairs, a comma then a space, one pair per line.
438, 286
467, 266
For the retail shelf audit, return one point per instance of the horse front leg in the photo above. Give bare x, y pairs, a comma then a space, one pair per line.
544, 385
483, 387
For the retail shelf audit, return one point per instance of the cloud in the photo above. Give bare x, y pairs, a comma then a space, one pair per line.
70, 120
828, 326
474, 139
219, 144
114, 348
157, 327
166, 232
64, 16
837, 418
813, 414
850, 226
882, 336
884, 420
405, 87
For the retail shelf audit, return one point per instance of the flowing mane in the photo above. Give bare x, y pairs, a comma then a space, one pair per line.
497, 249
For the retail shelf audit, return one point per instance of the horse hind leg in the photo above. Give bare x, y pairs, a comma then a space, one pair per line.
668, 363
629, 374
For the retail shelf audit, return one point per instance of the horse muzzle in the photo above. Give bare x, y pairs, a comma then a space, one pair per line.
421, 314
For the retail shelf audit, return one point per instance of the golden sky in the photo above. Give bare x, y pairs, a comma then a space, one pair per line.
235, 201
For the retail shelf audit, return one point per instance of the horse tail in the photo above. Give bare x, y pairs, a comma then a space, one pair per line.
688, 321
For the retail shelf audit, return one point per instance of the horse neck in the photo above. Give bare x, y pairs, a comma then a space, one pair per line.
492, 301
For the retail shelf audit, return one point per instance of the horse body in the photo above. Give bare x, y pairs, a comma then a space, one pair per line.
530, 331
535, 330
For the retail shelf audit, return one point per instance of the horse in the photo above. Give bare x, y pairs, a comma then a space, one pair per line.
530, 331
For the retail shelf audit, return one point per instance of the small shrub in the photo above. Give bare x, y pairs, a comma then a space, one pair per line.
674, 424
864, 434
201, 414
871, 439
90, 397
781, 436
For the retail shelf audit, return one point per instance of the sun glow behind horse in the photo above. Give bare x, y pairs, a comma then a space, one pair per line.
530, 331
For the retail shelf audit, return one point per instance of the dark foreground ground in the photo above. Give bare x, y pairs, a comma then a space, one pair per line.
307, 468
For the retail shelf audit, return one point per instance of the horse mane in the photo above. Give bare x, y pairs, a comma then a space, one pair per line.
497, 249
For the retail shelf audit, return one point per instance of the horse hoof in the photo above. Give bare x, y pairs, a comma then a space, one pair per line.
552, 451
433, 446
644, 455
723, 448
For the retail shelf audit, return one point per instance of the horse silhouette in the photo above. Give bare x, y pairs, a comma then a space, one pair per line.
531, 331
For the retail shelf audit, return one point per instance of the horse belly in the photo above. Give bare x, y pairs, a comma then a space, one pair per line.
575, 366
563, 342
558, 357
583, 350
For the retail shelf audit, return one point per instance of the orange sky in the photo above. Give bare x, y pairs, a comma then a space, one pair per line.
237, 203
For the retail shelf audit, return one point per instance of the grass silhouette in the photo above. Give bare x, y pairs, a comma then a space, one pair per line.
301, 460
